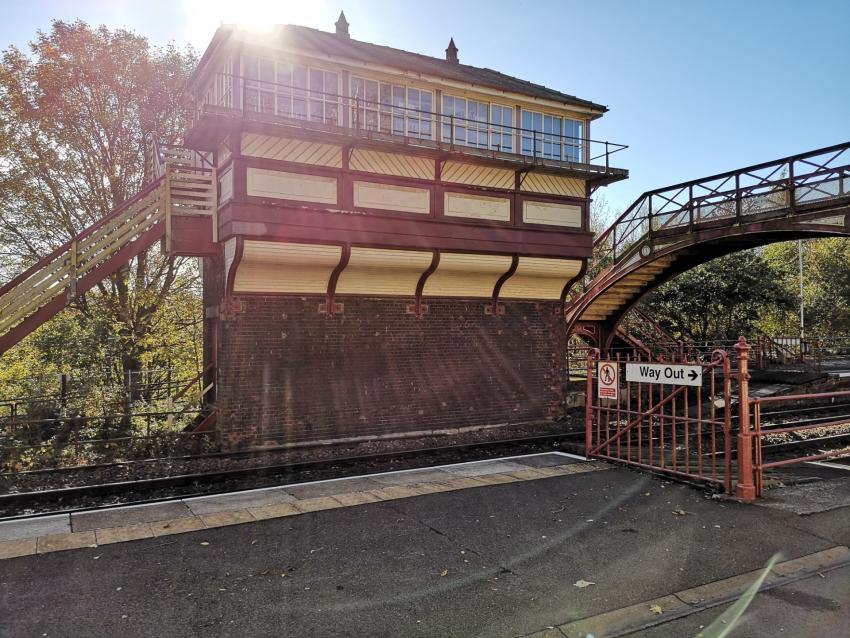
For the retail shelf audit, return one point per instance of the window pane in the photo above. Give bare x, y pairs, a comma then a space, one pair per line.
526, 120
386, 94
372, 93
425, 101
299, 77
249, 65
266, 70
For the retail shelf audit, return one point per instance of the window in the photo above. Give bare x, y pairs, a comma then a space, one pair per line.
391, 108
477, 124
501, 135
292, 91
552, 137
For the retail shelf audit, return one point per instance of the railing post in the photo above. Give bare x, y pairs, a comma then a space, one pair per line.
72, 275
606, 155
592, 355
792, 200
746, 489
451, 132
738, 206
166, 202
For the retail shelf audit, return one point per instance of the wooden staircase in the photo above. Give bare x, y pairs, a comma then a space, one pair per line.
181, 187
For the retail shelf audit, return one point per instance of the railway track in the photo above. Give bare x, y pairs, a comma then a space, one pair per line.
151, 490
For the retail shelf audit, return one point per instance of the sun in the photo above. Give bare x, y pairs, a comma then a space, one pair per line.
202, 17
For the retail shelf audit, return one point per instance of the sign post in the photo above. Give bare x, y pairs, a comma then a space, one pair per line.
664, 373
607, 377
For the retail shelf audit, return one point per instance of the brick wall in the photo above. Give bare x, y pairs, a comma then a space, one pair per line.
287, 373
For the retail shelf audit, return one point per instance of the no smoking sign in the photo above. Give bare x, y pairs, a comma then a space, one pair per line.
607, 377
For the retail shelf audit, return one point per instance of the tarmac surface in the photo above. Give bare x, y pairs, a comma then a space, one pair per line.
497, 560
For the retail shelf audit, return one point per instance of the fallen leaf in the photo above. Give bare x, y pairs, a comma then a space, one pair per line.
581, 583
656, 609
445, 572
204, 543
95, 557
254, 542
679, 512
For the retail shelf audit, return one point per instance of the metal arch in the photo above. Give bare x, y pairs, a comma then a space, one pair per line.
719, 242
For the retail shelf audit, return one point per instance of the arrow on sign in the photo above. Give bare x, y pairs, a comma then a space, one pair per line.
692, 375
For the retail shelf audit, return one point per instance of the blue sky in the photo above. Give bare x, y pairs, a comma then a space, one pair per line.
694, 88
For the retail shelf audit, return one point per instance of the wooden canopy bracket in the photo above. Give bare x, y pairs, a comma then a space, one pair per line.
417, 308
330, 306
494, 308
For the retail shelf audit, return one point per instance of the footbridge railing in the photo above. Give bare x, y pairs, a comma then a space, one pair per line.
731, 197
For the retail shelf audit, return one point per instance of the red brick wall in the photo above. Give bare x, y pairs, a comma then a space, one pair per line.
287, 373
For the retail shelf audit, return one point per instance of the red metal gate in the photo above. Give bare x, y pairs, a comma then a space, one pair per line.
679, 430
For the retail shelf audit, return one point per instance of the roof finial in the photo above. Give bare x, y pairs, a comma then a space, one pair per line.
342, 25
451, 51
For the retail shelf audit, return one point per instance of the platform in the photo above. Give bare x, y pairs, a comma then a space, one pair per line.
495, 553
75, 530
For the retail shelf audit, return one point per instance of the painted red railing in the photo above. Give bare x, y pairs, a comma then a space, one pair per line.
758, 433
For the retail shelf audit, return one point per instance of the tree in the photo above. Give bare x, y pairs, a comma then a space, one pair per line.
826, 281
719, 300
74, 115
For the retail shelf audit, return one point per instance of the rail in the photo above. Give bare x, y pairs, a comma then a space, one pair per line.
240, 96
729, 197
757, 433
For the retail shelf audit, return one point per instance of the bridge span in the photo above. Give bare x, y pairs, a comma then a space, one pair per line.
670, 230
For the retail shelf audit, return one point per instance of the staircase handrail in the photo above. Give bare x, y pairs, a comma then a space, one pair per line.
44, 261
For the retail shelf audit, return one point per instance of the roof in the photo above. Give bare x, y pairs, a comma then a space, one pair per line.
311, 40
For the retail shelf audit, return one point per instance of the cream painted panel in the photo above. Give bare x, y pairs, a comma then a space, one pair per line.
229, 254
375, 271
477, 175
225, 186
281, 267
390, 197
306, 188
477, 207
553, 184
551, 214
301, 151
392, 164
462, 275
540, 278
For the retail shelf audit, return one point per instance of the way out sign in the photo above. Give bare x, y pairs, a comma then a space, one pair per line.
666, 373
607, 380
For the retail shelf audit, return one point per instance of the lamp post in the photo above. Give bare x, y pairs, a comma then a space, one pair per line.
802, 306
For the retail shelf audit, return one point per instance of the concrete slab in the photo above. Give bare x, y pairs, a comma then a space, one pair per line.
110, 535
177, 526
62, 542
331, 488
232, 517
416, 476
487, 467
547, 460
237, 500
40, 526
117, 516
809, 498
16, 548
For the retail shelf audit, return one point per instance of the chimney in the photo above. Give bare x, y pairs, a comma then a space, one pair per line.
451, 52
342, 26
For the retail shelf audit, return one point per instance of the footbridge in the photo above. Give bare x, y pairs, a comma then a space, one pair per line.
670, 230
